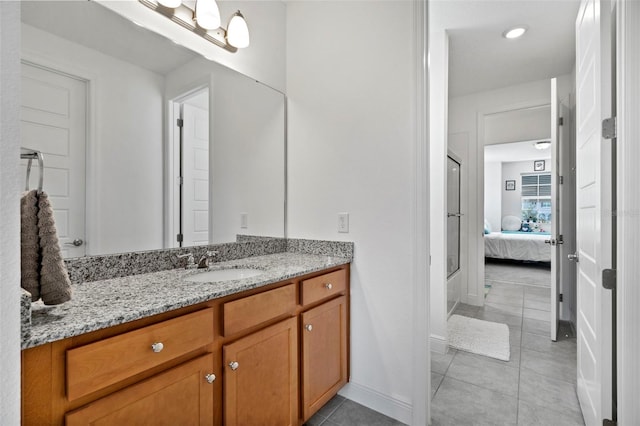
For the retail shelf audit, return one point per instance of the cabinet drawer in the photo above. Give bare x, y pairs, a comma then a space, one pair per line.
323, 286
101, 364
253, 310
179, 396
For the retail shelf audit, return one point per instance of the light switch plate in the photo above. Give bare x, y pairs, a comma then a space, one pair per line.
343, 222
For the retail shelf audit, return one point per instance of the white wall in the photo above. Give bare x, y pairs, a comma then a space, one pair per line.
511, 200
493, 188
124, 167
247, 135
438, 102
9, 211
466, 116
351, 130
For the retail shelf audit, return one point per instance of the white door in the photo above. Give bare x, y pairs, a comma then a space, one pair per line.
195, 207
555, 215
593, 197
53, 121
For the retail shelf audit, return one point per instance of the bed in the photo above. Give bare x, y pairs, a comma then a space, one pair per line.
529, 246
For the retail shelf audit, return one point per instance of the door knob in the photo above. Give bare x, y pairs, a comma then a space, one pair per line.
157, 347
308, 327
234, 365
77, 242
210, 378
551, 241
573, 257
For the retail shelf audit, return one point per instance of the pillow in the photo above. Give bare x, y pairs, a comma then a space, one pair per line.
487, 227
511, 223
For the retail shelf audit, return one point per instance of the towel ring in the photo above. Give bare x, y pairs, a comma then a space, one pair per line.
32, 154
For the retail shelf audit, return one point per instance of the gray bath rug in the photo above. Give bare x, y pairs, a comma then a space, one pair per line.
479, 337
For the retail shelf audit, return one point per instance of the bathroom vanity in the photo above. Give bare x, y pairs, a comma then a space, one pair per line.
270, 349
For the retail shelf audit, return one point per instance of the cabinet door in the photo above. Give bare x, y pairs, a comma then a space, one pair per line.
261, 377
180, 396
324, 354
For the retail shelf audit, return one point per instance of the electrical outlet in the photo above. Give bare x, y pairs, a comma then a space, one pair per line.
244, 220
343, 222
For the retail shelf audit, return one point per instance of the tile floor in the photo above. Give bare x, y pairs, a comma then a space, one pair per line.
343, 412
536, 387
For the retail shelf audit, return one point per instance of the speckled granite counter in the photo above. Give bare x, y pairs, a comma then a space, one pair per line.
100, 304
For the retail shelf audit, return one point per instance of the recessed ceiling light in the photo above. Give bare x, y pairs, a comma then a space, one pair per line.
514, 32
542, 145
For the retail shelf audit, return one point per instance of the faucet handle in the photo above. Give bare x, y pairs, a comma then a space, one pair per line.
191, 263
204, 260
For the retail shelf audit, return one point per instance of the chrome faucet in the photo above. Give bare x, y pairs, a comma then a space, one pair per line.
206, 259
191, 264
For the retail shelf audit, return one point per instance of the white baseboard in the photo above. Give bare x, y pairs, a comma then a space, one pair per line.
370, 398
439, 344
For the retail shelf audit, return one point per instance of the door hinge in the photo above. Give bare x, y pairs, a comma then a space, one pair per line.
609, 279
179, 237
180, 180
179, 122
607, 422
561, 121
561, 179
609, 128
560, 239
560, 297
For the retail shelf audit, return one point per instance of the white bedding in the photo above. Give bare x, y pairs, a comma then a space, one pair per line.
517, 246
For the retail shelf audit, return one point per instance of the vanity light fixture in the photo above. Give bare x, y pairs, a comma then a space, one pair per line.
237, 31
204, 20
542, 145
515, 32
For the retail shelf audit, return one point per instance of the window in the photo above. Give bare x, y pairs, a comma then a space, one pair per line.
536, 201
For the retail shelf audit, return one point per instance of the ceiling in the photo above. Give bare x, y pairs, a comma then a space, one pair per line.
480, 59
94, 26
515, 151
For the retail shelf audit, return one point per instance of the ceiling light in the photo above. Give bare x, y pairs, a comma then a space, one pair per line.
170, 3
204, 21
514, 32
207, 14
542, 145
237, 31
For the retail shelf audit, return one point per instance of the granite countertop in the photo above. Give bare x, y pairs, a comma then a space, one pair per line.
105, 303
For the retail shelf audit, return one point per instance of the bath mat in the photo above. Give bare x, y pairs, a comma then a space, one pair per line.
479, 337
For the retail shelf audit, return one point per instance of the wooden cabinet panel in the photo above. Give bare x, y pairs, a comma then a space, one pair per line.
324, 354
324, 286
180, 396
103, 363
262, 389
253, 310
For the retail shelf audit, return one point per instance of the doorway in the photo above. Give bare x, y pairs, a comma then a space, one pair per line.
190, 166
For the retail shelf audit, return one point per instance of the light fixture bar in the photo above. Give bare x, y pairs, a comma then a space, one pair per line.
183, 16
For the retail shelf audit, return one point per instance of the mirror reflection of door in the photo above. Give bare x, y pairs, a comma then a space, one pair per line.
53, 120
194, 165
453, 216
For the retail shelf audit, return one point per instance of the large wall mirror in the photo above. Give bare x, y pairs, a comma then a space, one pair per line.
147, 144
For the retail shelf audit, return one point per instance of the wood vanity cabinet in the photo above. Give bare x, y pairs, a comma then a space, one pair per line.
269, 356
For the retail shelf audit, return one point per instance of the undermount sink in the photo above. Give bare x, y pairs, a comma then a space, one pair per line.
223, 275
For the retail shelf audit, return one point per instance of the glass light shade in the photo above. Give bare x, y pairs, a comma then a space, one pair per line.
207, 14
514, 32
170, 3
238, 32
542, 145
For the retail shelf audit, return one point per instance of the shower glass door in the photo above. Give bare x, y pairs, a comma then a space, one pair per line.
453, 216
